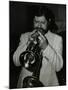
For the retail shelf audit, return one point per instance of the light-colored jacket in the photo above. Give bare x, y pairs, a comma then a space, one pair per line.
52, 59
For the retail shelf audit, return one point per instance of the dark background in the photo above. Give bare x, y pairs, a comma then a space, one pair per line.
20, 21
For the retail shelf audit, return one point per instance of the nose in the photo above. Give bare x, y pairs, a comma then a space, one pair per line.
39, 25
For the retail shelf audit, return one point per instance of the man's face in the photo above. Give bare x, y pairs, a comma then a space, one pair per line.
40, 22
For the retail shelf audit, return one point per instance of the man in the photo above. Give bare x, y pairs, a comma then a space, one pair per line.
51, 46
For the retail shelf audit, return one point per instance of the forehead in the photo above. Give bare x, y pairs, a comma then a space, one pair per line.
40, 18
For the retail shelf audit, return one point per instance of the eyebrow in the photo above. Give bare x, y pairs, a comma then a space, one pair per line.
39, 21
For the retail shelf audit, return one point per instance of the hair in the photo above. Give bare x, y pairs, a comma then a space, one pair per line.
49, 15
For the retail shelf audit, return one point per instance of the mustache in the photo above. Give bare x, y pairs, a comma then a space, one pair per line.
41, 30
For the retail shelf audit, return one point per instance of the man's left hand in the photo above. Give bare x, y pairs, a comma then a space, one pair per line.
43, 41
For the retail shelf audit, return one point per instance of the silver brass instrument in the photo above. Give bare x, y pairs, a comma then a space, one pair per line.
31, 59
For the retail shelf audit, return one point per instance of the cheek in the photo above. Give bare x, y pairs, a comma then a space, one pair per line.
35, 24
44, 26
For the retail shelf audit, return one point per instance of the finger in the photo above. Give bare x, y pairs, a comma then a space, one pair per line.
41, 36
33, 31
31, 39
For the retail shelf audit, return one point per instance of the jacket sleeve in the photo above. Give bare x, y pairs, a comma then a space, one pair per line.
54, 54
21, 48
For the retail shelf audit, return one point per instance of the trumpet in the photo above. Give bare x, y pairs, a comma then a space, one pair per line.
31, 59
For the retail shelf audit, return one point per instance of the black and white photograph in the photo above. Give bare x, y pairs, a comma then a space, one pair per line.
37, 44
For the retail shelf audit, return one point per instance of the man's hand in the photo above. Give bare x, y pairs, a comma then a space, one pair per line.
43, 41
32, 37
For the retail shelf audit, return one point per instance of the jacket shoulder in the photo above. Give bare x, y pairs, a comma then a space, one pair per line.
24, 36
56, 36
